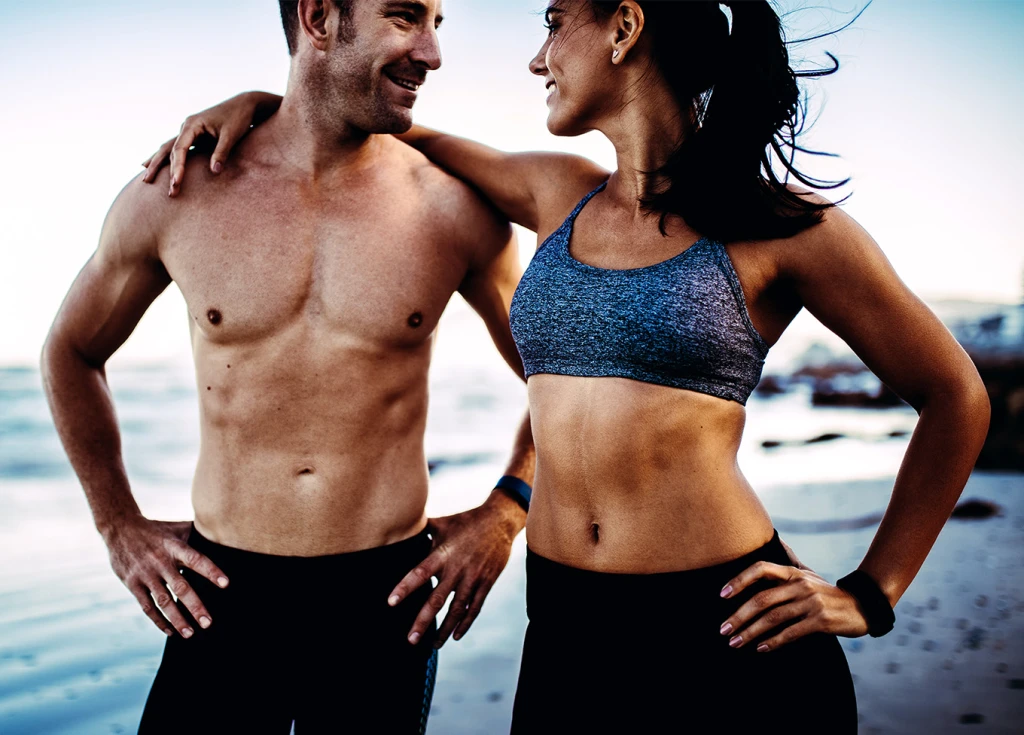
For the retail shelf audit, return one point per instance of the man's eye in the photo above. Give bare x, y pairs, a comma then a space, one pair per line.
552, 28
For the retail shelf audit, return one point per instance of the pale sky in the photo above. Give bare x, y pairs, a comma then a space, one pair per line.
925, 113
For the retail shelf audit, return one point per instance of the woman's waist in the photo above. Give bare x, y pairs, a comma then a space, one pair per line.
648, 522
559, 591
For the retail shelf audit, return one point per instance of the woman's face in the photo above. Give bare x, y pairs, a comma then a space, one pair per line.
576, 65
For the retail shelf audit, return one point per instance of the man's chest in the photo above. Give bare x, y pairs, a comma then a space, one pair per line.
248, 273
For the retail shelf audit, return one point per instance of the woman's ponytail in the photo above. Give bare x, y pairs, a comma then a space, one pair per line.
744, 105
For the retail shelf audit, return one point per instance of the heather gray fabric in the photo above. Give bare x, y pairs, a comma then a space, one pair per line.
681, 323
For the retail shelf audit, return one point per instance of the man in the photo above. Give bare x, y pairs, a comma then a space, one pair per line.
314, 269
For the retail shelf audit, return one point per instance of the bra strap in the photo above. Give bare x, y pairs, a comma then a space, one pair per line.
584, 200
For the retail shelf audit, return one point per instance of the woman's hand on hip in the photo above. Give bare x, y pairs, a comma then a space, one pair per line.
802, 602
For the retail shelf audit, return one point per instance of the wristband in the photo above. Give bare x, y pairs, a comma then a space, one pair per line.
873, 602
519, 490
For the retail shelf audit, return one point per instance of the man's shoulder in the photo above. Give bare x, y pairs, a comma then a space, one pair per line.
437, 186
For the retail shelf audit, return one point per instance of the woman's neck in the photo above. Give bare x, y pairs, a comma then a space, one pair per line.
645, 131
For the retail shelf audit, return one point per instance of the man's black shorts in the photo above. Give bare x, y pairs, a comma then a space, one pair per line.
304, 639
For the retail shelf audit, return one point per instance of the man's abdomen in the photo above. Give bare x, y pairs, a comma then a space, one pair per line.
308, 457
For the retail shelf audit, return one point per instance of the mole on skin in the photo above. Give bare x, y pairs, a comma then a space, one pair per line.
415, 319
214, 316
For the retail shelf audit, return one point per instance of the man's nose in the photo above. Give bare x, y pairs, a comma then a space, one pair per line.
428, 51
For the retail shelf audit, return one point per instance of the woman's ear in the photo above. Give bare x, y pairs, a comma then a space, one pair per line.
629, 23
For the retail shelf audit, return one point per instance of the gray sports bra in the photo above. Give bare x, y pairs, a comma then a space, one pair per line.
681, 323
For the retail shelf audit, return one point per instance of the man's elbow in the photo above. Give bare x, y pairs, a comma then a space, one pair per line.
58, 355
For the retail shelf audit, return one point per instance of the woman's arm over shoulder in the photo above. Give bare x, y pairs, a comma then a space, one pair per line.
528, 188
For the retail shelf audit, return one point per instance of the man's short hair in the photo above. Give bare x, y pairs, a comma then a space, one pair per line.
290, 20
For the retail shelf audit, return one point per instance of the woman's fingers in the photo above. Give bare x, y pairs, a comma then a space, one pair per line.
756, 571
756, 605
769, 621
790, 634
227, 138
157, 161
191, 129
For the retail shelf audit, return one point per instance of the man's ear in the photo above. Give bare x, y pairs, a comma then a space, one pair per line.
313, 19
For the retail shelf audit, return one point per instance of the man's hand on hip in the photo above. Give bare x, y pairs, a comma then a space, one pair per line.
470, 550
146, 556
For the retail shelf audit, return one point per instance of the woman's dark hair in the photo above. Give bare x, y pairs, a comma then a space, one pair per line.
744, 105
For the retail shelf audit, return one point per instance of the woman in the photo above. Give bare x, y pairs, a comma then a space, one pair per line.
660, 598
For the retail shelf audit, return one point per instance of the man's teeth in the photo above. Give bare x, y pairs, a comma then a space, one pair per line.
412, 86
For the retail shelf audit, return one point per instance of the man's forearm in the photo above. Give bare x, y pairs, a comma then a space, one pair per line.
521, 464
83, 413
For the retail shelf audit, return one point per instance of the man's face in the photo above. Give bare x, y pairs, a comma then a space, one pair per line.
382, 56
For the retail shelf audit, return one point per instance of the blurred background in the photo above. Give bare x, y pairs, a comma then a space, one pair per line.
925, 114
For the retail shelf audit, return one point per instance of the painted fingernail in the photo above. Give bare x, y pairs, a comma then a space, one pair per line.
393, 600
726, 629
762, 648
217, 167
222, 581
204, 622
414, 638
736, 641
186, 632
727, 590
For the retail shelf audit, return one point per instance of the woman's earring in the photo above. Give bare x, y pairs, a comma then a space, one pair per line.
615, 54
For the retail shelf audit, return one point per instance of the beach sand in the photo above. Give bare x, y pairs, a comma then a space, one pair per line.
954, 660
76, 655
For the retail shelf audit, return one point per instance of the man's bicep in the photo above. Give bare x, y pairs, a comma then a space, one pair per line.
491, 282
114, 288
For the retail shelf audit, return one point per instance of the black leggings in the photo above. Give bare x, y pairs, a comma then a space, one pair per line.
641, 653
309, 639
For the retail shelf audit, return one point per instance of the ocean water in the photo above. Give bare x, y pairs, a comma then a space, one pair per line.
78, 656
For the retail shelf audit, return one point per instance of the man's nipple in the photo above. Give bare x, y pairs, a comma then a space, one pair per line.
214, 316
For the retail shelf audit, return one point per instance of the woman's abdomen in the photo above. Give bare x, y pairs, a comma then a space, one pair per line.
637, 478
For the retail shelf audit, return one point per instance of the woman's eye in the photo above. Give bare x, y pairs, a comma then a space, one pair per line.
552, 29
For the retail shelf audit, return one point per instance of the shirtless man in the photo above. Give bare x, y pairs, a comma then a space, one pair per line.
314, 269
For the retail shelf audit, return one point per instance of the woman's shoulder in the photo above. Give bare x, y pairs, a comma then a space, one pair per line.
836, 239
565, 181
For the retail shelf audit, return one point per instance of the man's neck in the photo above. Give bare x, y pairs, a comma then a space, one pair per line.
318, 148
